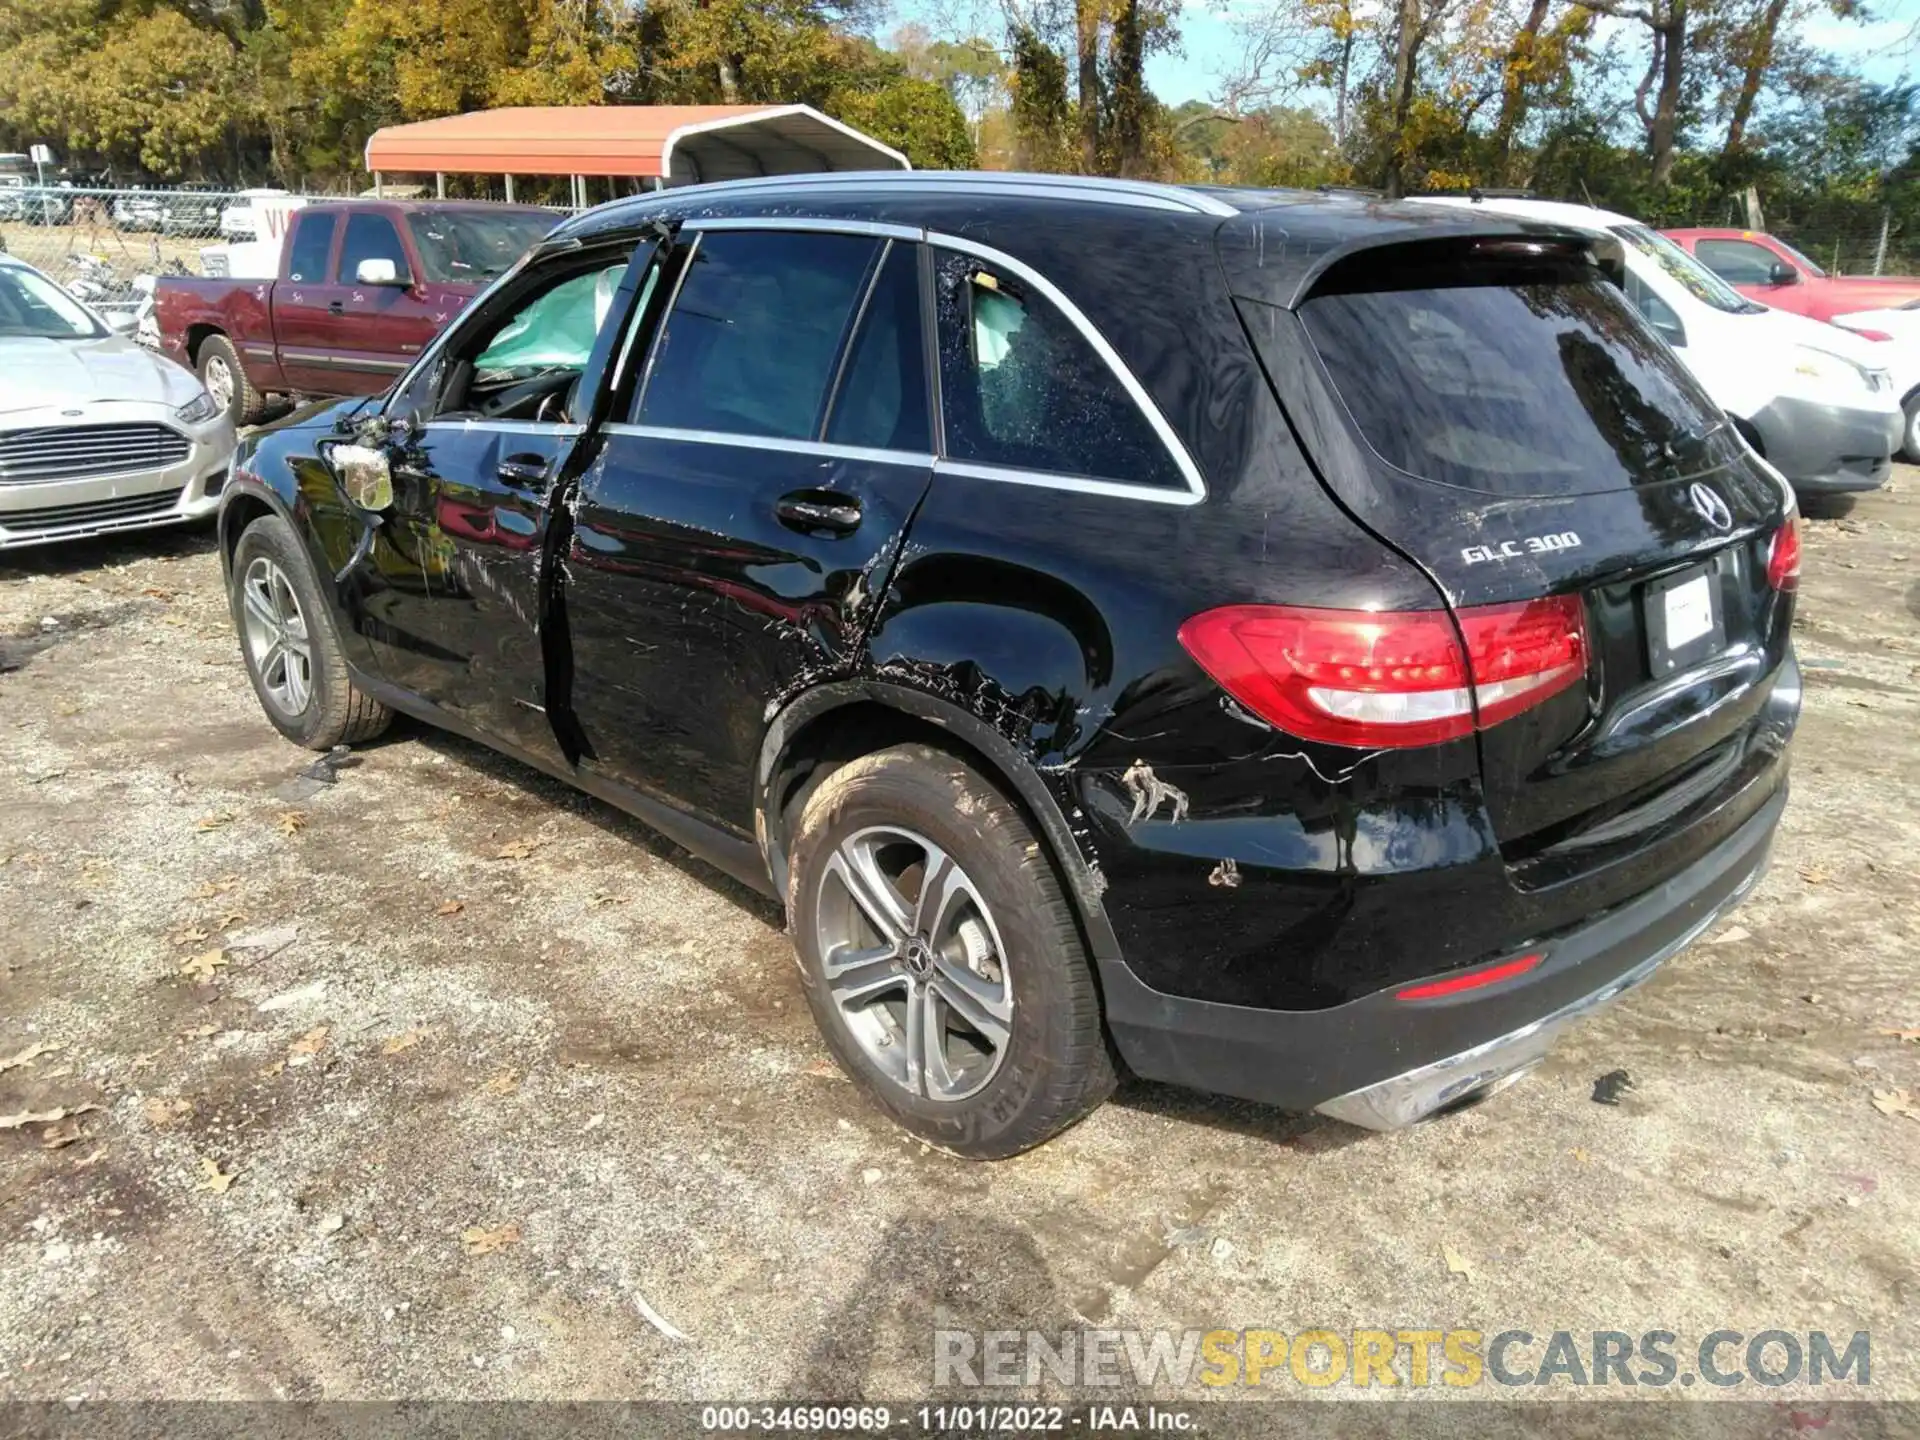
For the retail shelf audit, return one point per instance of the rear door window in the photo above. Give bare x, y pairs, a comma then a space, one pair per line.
1022, 387
881, 401
312, 243
751, 342
1551, 387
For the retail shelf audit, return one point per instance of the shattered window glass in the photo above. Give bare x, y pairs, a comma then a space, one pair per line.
1022, 387
750, 345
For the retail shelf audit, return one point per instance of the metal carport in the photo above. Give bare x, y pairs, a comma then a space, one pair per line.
667, 144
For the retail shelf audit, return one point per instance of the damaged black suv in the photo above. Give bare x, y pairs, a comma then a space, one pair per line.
1284, 644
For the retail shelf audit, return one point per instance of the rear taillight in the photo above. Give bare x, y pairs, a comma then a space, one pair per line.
1383, 680
1783, 557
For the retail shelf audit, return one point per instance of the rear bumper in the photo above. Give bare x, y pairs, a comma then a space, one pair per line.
1381, 1062
1829, 449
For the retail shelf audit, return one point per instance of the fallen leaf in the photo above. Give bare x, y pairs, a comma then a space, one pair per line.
1728, 937
505, 1083
1813, 875
215, 821
1896, 1102
29, 1055
451, 907
229, 920
309, 1043
272, 1070
61, 1134
43, 1117
478, 1240
192, 935
89, 1162
823, 1070
216, 1179
163, 1113
1896, 1034
605, 899
202, 966
200, 1032
406, 1040
207, 889
516, 850
1582, 1156
1456, 1262
291, 822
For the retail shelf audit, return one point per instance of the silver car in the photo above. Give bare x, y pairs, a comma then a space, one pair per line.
97, 434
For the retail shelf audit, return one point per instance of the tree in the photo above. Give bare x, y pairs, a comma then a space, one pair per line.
917, 117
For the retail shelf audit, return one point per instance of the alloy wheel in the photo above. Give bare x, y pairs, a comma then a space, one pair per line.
914, 964
219, 378
278, 646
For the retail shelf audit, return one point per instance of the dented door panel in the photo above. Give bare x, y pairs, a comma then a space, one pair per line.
700, 602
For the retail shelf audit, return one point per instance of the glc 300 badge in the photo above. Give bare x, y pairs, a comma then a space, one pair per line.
1514, 549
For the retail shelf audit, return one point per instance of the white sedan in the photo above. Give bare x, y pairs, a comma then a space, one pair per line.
1898, 335
97, 435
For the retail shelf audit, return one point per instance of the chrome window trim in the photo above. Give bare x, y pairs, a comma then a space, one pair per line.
645, 378
769, 442
1054, 480
507, 427
1139, 194
807, 223
1196, 486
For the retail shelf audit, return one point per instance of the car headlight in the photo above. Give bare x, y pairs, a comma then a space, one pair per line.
1832, 369
199, 409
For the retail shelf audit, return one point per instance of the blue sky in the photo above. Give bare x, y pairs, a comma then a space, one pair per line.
1881, 48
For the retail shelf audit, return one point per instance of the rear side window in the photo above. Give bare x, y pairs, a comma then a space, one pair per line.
750, 345
371, 237
312, 241
1548, 388
882, 400
1022, 387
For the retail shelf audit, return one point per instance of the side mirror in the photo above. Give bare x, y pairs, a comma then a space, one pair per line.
1782, 273
364, 475
1673, 332
377, 272
121, 322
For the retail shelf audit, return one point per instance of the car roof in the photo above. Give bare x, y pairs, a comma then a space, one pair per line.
1711, 232
1558, 212
1282, 239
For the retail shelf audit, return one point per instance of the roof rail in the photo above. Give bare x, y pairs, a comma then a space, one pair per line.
1092, 188
1477, 193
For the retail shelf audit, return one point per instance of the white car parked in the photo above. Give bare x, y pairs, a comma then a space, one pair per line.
239, 220
1900, 350
1813, 399
97, 435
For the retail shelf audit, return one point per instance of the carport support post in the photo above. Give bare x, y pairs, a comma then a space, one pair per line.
510, 189
378, 188
440, 184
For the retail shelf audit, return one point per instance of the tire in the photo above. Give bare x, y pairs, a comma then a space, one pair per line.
1006, 952
245, 405
1910, 444
276, 605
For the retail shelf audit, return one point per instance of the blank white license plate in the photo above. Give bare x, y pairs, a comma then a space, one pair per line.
1689, 612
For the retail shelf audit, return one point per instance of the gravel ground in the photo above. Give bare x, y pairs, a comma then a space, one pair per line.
434, 1082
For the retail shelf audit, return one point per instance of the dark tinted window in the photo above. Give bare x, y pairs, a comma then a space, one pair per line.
882, 401
475, 245
312, 239
1022, 387
1546, 388
1737, 261
750, 345
371, 237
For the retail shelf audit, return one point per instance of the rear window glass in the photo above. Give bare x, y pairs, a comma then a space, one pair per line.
312, 240
1552, 388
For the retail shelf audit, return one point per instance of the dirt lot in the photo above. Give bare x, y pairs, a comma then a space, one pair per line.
423, 1121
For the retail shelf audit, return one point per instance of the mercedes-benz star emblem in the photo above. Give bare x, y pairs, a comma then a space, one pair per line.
1712, 508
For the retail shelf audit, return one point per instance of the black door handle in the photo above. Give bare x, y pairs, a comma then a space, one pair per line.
818, 510
523, 472
336, 307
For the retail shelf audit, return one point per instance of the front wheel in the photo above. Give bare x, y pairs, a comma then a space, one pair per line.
290, 647
1911, 444
940, 957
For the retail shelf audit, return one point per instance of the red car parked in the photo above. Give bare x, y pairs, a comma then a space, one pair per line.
363, 286
1766, 268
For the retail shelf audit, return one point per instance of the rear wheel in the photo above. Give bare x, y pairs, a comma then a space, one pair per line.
226, 381
940, 957
291, 649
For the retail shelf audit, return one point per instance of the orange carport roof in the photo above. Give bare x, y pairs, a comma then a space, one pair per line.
673, 142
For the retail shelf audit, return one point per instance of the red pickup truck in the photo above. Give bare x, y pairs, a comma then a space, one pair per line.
1766, 268
363, 286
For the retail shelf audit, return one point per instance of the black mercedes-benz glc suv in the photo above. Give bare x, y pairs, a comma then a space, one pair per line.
1285, 644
